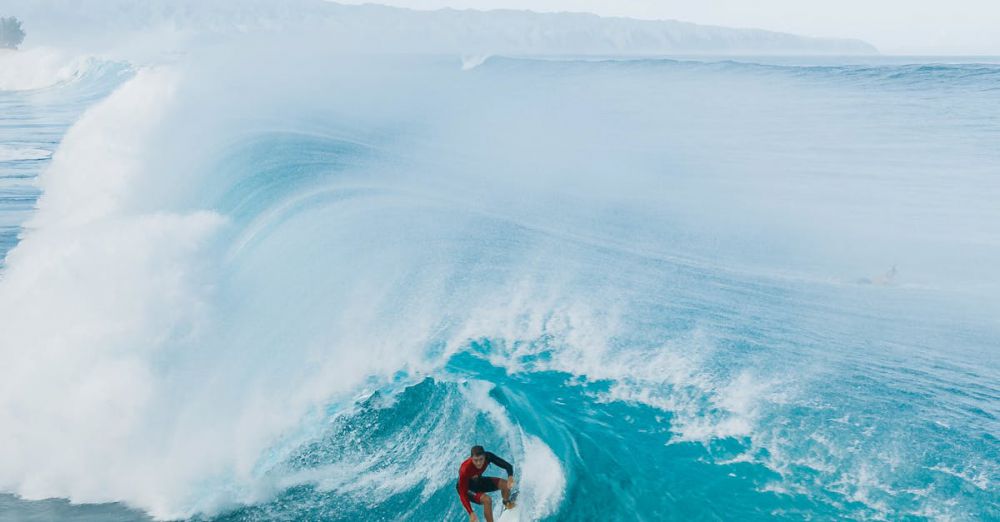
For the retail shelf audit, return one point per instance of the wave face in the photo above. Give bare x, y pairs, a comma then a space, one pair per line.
269, 282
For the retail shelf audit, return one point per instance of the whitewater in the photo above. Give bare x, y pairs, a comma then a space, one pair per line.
266, 279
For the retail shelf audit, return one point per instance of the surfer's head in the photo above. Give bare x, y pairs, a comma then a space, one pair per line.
478, 456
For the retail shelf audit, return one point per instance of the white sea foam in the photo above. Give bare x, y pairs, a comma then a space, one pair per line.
472, 61
89, 300
35, 68
9, 153
674, 376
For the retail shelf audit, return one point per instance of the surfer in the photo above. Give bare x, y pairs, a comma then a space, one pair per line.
472, 486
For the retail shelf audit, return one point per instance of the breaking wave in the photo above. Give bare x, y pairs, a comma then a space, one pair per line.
261, 287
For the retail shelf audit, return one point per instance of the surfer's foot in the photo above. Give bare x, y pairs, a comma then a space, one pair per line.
509, 504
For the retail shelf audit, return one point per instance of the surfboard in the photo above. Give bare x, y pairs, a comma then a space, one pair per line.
511, 515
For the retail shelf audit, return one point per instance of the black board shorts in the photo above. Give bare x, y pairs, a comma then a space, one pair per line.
480, 485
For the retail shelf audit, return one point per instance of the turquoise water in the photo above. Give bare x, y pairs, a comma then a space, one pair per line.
666, 290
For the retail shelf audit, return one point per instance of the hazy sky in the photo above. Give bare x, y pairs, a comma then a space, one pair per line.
894, 26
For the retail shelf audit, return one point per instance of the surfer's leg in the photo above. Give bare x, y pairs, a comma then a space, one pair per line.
504, 491
487, 507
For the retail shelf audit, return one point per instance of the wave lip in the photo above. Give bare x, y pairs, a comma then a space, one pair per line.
38, 68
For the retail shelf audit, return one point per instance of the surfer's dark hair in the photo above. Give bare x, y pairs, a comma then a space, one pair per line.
477, 451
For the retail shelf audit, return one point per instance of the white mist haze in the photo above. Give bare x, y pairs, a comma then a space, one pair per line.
166, 27
961, 27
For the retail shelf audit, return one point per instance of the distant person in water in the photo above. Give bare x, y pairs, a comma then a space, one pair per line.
885, 279
473, 486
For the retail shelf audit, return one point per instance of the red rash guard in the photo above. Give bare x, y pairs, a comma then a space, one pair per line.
468, 471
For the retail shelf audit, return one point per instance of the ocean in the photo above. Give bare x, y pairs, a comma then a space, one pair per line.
250, 284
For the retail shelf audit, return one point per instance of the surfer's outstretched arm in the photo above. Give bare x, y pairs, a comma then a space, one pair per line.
501, 463
505, 485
